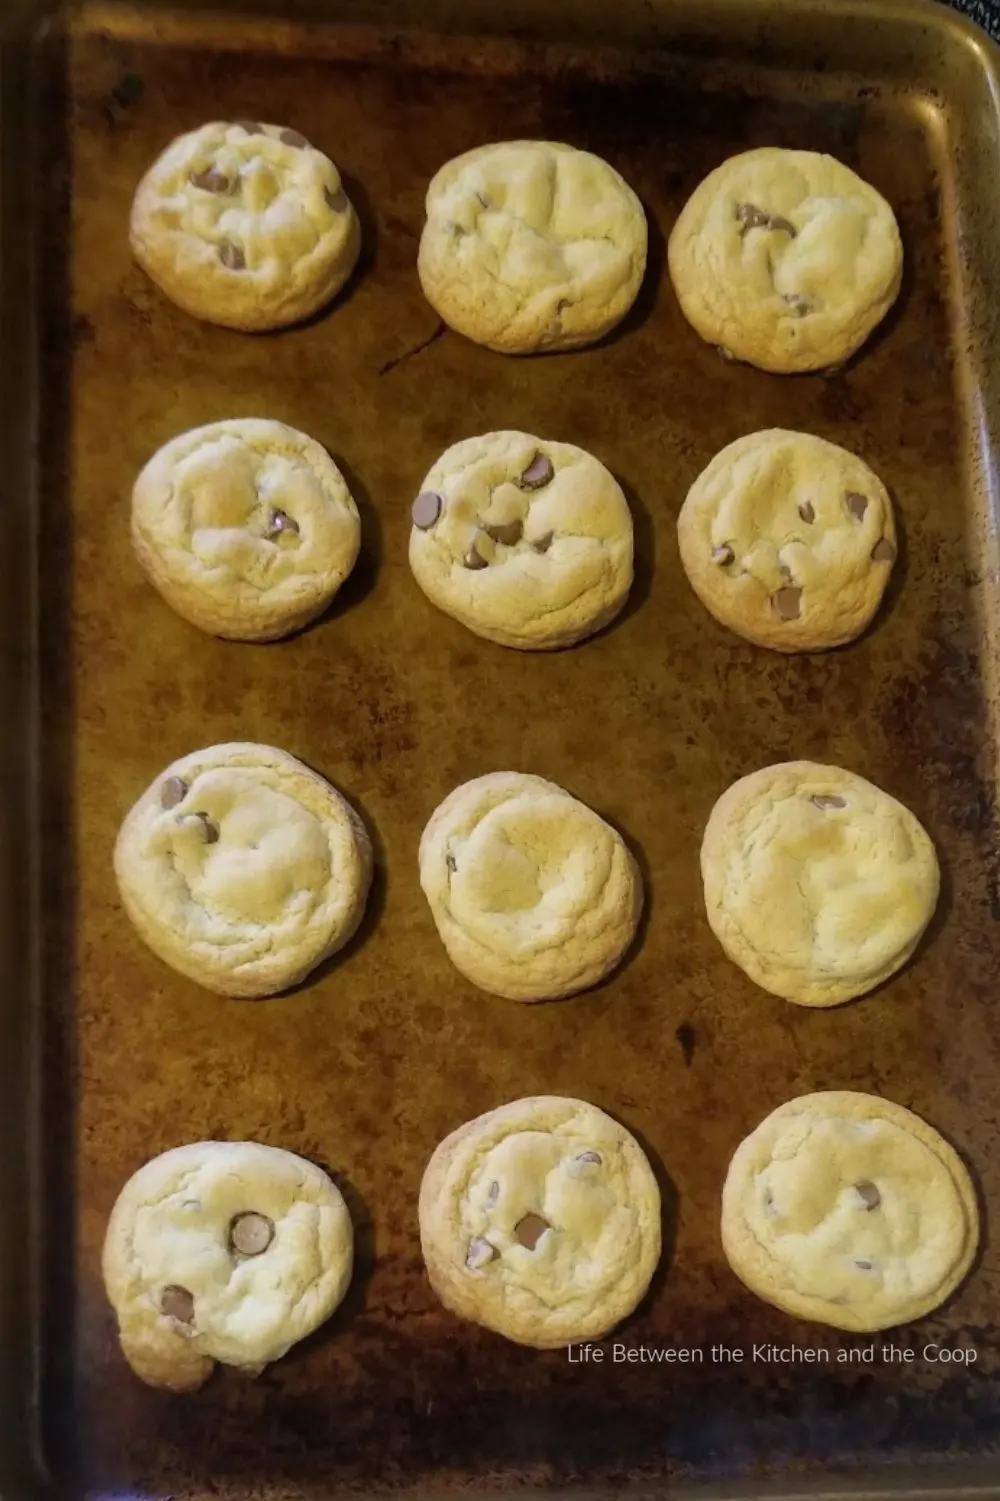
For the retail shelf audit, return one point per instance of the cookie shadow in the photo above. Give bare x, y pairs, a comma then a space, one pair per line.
635, 948
361, 579
644, 565
669, 1222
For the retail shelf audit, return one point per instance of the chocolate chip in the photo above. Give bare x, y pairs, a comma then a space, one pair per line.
863, 1266
494, 1192
250, 1233
337, 201
883, 551
752, 217
211, 180
787, 603
232, 256
530, 1230
537, 474
426, 509
799, 304
590, 1156
857, 504
479, 1254
293, 138
172, 792
823, 801
211, 829
251, 127
451, 862
723, 555
474, 560
279, 521
869, 1195
776, 221
807, 513
508, 533
543, 543
177, 1303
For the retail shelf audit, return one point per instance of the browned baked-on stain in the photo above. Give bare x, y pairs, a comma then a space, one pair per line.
368, 1066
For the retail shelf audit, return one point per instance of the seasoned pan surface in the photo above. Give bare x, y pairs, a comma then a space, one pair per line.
367, 1066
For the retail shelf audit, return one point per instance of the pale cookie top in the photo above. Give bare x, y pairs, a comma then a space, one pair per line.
541, 1220
246, 527
817, 884
526, 542
243, 868
245, 223
223, 1251
533, 894
788, 540
786, 259
849, 1210
532, 245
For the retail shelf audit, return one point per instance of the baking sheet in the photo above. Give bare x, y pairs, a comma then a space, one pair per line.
365, 1068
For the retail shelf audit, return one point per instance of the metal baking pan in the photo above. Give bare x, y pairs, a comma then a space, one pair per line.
108, 1057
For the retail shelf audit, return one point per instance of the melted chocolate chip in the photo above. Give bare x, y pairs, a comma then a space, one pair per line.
479, 1254
474, 560
799, 304
863, 1266
250, 1234
857, 504
590, 1156
530, 1230
211, 181
883, 551
752, 217
807, 512
723, 555
494, 1192
177, 1303
211, 829
822, 800
279, 521
868, 1194
538, 473
426, 509
251, 127
543, 543
293, 138
337, 202
508, 533
172, 792
232, 256
787, 602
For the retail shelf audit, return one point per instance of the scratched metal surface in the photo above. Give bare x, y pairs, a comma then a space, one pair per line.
370, 1064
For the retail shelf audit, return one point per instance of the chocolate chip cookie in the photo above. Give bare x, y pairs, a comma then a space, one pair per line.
535, 897
531, 245
245, 224
526, 542
817, 884
225, 1252
849, 1210
243, 869
786, 259
788, 540
246, 528
541, 1221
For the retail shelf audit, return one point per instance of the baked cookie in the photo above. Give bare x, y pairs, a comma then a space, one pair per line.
223, 1251
817, 884
534, 896
788, 540
246, 225
848, 1210
526, 542
541, 1221
247, 528
785, 259
531, 245
243, 869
